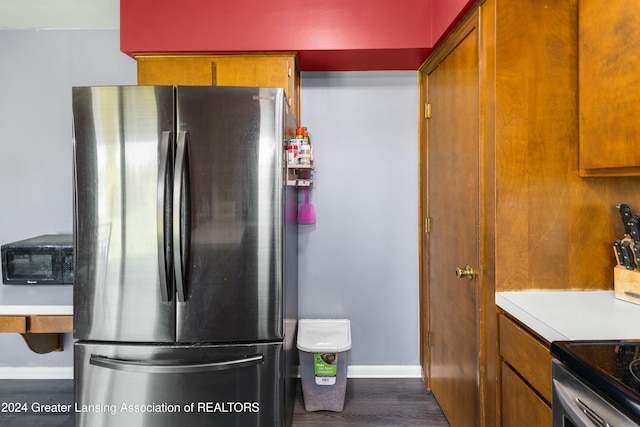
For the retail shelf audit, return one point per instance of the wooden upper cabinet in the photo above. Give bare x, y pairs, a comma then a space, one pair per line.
262, 70
609, 85
179, 71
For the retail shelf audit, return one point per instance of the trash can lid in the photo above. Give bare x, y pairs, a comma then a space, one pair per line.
327, 335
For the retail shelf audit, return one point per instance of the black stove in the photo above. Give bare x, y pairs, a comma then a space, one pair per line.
612, 368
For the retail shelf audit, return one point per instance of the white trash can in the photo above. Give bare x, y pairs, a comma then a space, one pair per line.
324, 346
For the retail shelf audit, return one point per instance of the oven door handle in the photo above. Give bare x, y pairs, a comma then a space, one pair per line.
590, 413
578, 411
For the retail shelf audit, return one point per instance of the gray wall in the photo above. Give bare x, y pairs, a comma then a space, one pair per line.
359, 261
37, 70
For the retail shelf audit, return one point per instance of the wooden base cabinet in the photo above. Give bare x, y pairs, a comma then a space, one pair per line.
521, 405
261, 70
525, 392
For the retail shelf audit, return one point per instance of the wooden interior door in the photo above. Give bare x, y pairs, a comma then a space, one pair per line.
452, 205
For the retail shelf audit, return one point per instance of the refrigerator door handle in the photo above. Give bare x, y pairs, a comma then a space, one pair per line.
166, 367
180, 244
164, 250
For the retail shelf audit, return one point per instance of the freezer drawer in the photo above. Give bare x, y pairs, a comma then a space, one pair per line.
147, 385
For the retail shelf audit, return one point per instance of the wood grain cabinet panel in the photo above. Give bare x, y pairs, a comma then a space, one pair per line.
525, 376
521, 406
527, 355
260, 70
529, 197
179, 71
609, 82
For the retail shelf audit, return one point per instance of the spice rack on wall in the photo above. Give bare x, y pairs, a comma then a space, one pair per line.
299, 160
300, 175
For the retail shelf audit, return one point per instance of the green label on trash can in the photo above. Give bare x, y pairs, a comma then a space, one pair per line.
325, 366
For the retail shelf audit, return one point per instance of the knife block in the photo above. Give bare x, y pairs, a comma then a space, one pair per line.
626, 284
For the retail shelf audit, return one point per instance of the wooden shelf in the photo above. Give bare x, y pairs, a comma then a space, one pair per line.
51, 324
42, 334
41, 314
17, 324
300, 182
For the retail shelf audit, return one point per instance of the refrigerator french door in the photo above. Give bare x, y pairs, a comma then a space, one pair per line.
185, 251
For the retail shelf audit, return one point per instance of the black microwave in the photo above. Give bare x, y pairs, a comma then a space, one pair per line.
41, 260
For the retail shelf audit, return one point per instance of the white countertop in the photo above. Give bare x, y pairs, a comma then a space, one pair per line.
573, 315
36, 299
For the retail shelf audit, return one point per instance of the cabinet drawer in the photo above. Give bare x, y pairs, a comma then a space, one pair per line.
521, 407
528, 356
51, 324
13, 324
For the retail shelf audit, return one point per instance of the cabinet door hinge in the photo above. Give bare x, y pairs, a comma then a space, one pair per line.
427, 110
427, 225
427, 339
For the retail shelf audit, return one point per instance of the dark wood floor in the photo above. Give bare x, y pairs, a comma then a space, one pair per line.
368, 402
26, 392
377, 402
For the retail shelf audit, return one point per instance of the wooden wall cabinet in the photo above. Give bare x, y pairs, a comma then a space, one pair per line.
263, 70
609, 87
540, 224
525, 366
528, 199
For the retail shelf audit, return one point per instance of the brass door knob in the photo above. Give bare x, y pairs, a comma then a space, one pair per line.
467, 272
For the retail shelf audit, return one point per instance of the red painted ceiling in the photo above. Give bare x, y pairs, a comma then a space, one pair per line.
328, 35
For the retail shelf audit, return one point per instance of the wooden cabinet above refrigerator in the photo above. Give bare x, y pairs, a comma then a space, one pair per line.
260, 70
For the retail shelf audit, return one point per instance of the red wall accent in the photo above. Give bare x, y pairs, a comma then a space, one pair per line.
446, 14
329, 35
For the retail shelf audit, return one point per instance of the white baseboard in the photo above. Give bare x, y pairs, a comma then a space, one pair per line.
36, 373
354, 371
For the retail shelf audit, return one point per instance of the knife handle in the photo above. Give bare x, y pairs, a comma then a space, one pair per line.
627, 254
634, 228
617, 247
636, 253
626, 213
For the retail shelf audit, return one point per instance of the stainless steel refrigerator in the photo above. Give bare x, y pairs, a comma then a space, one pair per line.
185, 251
